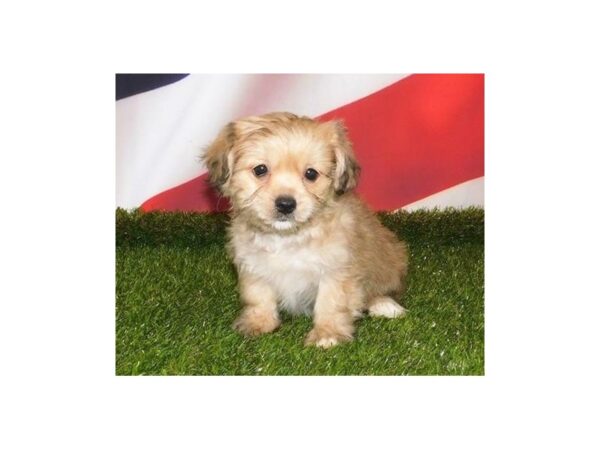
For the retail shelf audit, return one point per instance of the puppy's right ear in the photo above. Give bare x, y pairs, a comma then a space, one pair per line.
218, 158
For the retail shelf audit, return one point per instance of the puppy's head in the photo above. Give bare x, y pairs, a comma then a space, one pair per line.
279, 170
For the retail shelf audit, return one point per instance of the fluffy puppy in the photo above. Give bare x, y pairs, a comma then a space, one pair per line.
300, 239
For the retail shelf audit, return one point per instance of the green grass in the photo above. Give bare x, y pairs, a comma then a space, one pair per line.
176, 298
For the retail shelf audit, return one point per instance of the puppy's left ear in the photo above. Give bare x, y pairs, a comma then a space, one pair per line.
347, 170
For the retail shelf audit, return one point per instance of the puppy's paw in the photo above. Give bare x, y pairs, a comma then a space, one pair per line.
254, 322
326, 338
386, 307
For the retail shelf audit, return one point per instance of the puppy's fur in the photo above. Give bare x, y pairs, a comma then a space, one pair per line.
330, 256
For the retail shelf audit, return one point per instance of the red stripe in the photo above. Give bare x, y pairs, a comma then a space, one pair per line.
193, 195
414, 138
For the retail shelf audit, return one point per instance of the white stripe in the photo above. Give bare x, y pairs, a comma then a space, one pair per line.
463, 195
161, 133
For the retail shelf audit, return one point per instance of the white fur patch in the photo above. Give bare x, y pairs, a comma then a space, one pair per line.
282, 225
386, 307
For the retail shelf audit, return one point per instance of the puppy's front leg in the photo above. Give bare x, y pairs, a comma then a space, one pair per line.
333, 314
260, 307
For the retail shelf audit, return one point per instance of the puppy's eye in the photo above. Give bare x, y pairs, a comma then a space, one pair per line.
311, 174
260, 170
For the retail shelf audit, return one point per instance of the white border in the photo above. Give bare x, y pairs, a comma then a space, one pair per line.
57, 319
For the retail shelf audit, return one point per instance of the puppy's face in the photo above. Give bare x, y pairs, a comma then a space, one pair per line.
280, 170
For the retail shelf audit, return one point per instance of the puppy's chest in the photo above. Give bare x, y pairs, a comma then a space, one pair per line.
277, 257
293, 265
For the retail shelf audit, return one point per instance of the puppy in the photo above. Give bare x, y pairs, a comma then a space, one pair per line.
299, 237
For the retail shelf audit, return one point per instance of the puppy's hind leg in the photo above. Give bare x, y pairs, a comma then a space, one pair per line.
385, 307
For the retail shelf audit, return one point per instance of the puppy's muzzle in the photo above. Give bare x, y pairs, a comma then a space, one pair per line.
285, 204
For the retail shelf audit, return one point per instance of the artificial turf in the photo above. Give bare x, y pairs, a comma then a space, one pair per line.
176, 299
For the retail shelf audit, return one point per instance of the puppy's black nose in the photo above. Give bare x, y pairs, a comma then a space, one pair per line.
285, 205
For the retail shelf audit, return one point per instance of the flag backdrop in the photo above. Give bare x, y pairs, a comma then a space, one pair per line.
418, 138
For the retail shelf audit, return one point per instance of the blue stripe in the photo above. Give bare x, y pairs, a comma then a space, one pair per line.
128, 84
